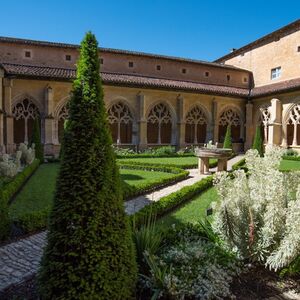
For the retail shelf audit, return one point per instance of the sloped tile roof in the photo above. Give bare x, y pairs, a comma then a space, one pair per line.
124, 80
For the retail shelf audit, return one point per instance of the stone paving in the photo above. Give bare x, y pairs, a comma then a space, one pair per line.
20, 259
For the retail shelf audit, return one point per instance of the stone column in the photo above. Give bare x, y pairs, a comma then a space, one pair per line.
275, 123
49, 127
8, 84
181, 122
2, 148
142, 122
215, 124
249, 126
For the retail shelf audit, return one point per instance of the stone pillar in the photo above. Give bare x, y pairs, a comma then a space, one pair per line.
249, 125
8, 84
2, 148
275, 123
181, 122
284, 136
50, 136
215, 123
142, 122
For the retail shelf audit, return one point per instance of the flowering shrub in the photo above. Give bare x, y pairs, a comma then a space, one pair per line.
259, 215
9, 167
28, 154
191, 268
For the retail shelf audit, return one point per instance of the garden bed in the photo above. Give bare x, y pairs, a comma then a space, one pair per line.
30, 209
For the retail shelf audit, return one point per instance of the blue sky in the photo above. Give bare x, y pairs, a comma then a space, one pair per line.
195, 29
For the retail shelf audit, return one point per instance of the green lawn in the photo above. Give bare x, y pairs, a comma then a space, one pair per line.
192, 212
287, 165
37, 194
183, 162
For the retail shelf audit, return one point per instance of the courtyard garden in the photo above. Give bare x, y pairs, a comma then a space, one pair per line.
210, 239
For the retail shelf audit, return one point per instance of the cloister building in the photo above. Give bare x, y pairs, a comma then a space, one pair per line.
158, 100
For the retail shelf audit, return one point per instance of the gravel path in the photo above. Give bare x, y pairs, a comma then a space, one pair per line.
20, 259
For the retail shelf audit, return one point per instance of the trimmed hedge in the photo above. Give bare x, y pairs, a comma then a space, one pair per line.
37, 220
286, 157
135, 163
150, 155
133, 191
172, 201
240, 165
8, 191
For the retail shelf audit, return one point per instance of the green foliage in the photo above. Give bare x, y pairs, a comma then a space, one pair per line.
258, 141
228, 139
147, 239
295, 158
167, 203
291, 153
191, 266
89, 252
8, 190
36, 140
133, 190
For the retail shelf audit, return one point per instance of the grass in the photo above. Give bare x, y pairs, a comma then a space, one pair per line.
38, 193
184, 162
192, 212
290, 165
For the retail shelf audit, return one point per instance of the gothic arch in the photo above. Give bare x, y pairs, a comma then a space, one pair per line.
161, 121
231, 115
24, 111
196, 122
291, 124
262, 119
122, 121
20, 97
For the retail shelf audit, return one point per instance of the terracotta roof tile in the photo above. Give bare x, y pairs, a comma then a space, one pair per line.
124, 80
283, 86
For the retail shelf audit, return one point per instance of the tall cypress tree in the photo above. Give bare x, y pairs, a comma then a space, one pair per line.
228, 140
89, 254
258, 141
36, 140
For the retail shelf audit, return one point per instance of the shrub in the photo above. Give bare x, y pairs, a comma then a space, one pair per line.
167, 203
130, 191
36, 140
228, 140
259, 215
291, 153
8, 167
7, 191
191, 268
28, 154
258, 141
89, 252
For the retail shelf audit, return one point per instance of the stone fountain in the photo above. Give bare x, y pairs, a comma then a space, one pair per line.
212, 151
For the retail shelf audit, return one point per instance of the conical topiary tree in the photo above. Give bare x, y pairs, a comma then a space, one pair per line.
36, 140
258, 141
89, 252
228, 141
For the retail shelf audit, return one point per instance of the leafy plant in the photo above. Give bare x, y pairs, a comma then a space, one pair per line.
259, 215
147, 239
258, 141
228, 140
89, 252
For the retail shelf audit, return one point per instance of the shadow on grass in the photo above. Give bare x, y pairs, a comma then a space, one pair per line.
131, 177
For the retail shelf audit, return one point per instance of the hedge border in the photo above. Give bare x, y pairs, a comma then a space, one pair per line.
172, 201
135, 163
9, 191
295, 158
37, 220
134, 191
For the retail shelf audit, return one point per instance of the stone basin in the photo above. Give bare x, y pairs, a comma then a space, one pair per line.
213, 153
204, 154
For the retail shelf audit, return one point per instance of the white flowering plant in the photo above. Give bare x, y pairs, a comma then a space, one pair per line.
190, 266
259, 212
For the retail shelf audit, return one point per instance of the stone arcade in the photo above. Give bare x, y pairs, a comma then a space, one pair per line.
158, 100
